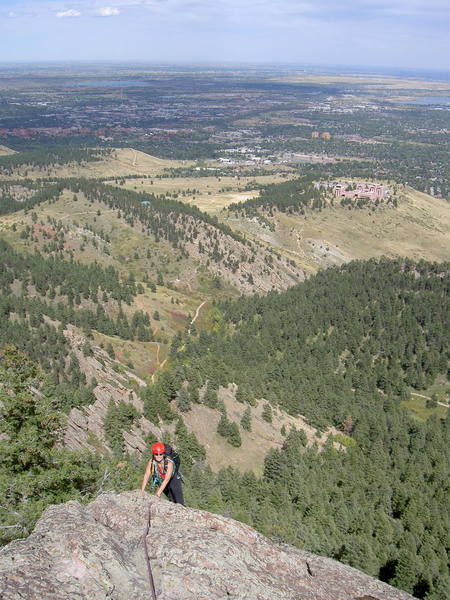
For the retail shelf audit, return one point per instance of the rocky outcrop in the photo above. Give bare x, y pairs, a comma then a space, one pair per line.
96, 552
84, 429
85, 426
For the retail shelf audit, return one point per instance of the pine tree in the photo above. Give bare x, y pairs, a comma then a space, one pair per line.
233, 435
246, 421
222, 427
210, 397
184, 400
267, 413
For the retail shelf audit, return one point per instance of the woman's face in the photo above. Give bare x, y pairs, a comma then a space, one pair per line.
158, 456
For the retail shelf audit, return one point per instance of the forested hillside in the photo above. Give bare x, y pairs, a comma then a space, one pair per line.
380, 505
295, 195
298, 195
344, 347
40, 296
144, 298
187, 233
366, 326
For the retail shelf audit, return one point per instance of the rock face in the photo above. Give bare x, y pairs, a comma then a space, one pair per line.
96, 552
85, 426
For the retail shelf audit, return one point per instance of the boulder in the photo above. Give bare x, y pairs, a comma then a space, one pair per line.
96, 552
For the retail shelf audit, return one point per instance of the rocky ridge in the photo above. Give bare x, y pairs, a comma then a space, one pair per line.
85, 426
96, 552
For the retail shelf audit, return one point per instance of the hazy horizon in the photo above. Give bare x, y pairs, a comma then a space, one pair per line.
398, 34
309, 69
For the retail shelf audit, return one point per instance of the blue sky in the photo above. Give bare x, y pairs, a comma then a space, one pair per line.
404, 33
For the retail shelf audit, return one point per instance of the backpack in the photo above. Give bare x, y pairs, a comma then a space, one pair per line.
174, 456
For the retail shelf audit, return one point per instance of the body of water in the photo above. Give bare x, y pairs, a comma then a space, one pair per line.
428, 100
109, 83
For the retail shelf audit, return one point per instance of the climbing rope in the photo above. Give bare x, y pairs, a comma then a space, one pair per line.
147, 557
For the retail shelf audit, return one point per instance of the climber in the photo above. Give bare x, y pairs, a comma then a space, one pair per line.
162, 470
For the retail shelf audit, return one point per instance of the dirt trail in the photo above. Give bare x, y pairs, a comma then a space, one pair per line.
157, 365
197, 312
428, 398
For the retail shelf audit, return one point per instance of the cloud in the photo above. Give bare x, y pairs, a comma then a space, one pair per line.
252, 14
108, 11
71, 12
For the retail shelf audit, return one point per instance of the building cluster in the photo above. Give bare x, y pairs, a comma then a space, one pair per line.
372, 191
325, 135
145, 115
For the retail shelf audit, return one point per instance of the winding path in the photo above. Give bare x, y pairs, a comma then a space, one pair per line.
428, 398
197, 312
157, 365
158, 345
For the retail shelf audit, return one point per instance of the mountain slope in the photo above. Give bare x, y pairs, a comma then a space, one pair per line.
145, 234
417, 228
342, 347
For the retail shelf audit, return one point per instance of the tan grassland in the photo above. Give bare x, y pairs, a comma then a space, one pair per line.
121, 162
127, 161
255, 444
418, 229
4, 151
370, 81
214, 193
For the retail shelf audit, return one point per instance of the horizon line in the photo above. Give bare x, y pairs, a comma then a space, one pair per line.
217, 63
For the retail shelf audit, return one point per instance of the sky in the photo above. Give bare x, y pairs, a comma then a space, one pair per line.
392, 33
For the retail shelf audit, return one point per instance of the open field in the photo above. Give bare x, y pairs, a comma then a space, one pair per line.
211, 193
370, 81
4, 151
419, 409
139, 356
203, 421
127, 161
440, 390
121, 162
418, 229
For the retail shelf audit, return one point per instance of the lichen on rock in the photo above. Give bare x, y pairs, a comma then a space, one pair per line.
96, 552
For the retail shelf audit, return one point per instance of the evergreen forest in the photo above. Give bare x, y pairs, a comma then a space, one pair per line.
118, 291
343, 348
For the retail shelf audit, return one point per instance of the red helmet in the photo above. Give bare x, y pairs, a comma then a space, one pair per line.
158, 448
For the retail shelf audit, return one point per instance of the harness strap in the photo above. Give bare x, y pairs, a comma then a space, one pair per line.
156, 474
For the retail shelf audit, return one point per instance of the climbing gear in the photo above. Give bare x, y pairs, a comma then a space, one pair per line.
174, 456
147, 557
159, 471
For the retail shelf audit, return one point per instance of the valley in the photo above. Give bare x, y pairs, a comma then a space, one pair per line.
177, 265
